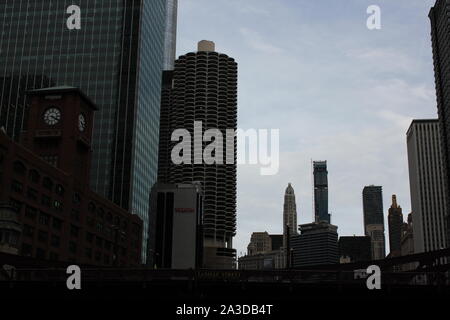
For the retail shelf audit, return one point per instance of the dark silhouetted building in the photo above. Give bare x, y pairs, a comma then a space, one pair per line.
427, 185
46, 179
316, 244
355, 249
396, 225
264, 252
289, 219
116, 57
178, 241
321, 192
440, 38
277, 241
203, 89
374, 220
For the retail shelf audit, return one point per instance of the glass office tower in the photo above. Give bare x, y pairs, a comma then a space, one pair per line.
321, 192
374, 220
116, 58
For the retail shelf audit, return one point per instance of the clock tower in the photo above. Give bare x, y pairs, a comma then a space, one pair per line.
59, 130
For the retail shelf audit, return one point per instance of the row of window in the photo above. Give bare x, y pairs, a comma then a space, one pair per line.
34, 176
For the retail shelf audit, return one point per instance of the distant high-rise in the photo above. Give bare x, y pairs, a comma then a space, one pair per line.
289, 214
374, 220
170, 38
396, 224
203, 89
355, 249
321, 192
440, 38
115, 54
427, 186
316, 244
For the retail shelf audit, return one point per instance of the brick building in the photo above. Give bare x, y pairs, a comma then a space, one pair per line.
46, 178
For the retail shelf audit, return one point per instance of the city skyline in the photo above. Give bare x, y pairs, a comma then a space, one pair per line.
310, 101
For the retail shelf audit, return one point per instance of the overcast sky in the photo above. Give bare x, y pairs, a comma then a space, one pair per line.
336, 90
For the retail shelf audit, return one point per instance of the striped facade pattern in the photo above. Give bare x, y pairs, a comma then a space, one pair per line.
426, 177
203, 88
440, 38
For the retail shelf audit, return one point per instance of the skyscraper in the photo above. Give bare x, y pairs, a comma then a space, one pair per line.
374, 220
289, 214
316, 244
427, 186
170, 34
440, 38
203, 89
395, 221
321, 192
113, 50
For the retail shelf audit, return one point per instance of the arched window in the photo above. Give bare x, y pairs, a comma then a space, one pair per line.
59, 190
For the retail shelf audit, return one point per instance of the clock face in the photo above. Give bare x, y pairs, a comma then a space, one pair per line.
52, 116
81, 122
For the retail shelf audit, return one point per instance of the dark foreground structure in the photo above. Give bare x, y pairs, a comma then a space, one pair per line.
29, 279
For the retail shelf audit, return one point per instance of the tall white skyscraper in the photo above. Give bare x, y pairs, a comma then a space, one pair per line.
289, 214
426, 178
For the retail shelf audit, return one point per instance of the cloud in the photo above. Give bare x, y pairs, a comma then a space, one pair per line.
256, 42
336, 91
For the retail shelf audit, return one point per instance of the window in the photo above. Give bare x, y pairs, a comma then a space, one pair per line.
106, 259
98, 256
59, 190
44, 219
17, 187
100, 227
55, 241
109, 217
47, 183
58, 205
34, 176
16, 204
107, 245
46, 201
19, 168
57, 224
76, 199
